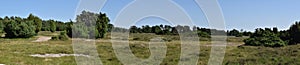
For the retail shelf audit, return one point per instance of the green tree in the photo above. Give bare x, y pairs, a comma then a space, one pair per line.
245, 33
234, 32
94, 25
20, 29
52, 26
63, 36
102, 24
284, 35
79, 30
110, 27
1, 26
60, 26
157, 30
275, 30
133, 29
146, 29
45, 25
69, 26
167, 29
203, 34
294, 33
37, 22
174, 31
265, 37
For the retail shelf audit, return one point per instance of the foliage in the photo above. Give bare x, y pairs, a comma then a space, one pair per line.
20, 29
203, 34
37, 22
265, 37
245, 33
157, 30
63, 36
102, 25
294, 33
89, 25
79, 30
133, 29
169, 30
60, 26
1, 26
52, 26
233, 32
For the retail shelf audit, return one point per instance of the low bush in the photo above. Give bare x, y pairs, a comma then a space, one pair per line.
142, 36
19, 29
264, 41
63, 36
266, 38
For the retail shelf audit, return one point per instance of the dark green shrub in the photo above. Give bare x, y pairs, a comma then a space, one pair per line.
63, 36
52, 26
37, 22
239, 35
20, 29
264, 41
294, 33
265, 38
203, 34
89, 25
1, 27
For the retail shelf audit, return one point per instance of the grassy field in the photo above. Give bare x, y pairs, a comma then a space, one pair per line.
18, 51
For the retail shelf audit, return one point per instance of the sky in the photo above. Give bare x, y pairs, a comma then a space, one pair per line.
238, 14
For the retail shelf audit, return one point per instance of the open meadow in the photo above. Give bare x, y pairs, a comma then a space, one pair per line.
19, 51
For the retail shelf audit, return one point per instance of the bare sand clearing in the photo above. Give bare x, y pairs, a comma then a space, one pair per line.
42, 39
57, 55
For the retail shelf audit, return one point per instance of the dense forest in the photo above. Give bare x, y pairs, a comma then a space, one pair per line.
96, 25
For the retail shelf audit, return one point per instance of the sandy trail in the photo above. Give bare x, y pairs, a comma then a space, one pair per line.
42, 39
57, 55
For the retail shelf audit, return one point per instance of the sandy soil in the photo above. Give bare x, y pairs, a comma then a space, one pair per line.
57, 55
42, 39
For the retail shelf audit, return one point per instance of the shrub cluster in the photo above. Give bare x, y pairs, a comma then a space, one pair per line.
19, 28
274, 38
16, 27
266, 38
89, 25
63, 36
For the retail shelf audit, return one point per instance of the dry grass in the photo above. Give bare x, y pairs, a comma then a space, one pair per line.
17, 51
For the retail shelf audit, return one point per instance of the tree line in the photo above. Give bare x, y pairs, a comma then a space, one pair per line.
17, 27
93, 25
96, 25
275, 38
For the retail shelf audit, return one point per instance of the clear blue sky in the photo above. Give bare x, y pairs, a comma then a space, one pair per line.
239, 14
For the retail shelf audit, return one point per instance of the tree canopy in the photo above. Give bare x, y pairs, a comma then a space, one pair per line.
96, 25
265, 37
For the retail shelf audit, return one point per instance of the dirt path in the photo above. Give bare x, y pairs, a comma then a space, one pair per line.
42, 39
57, 55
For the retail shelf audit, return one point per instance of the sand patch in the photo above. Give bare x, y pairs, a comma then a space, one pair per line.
57, 55
42, 39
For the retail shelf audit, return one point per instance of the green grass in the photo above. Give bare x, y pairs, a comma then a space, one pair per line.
17, 51
289, 55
